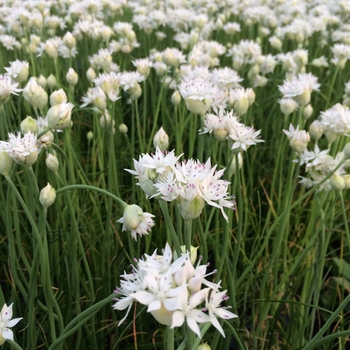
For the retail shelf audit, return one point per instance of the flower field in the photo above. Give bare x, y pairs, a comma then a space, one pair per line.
175, 174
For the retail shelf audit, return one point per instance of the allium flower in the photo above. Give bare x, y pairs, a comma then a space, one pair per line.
300, 88
198, 94
23, 150
193, 184
151, 167
298, 139
34, 94
136, 221
172, 290
18, 70
6, 323
7, 87
336, 120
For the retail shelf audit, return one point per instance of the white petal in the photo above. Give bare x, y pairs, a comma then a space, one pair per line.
178, 319
7, 333
13, 322
143, 297
193, 325
154, 305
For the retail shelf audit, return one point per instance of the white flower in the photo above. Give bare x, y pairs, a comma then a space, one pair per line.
7, 87
6, 323
18, 70
188, 310
136, 221
213, 306
23, 150
151, 167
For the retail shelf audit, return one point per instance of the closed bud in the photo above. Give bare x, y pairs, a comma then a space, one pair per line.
47, 196
72, 77
203, 347
90, 135
5, 161
346, 178
161, 140
42, 81
337, 182
191, 209
51, 81
90, 74
303, 99
123, 129
29, 124
69, 40
316, 130
307, 112
35, 94
52, 162
241, 106
346, 151
287, 106
135, 92
58, 97
175, 98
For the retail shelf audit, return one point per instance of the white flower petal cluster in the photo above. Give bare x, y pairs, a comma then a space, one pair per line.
193, 184
6, 323
173, 291
23, 150
335, 120
300, 88
151, 167
7, 87
227, 126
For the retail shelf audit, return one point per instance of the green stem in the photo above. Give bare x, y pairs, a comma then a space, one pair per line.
174, 239
92, 188
170, 338
188, 234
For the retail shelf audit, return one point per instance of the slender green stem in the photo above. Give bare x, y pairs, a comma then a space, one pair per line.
188, 234
170, 338
92, 188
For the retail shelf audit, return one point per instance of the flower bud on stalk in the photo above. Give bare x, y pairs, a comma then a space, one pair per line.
29, 124
47, 196
161, 139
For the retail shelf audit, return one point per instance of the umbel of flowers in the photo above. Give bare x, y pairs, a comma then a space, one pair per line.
191, 183
175, 289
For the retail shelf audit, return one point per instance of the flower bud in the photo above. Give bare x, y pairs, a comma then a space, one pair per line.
337, 182
287, 106
161, 139
175, 98
190, 210
51, 81
303, 99
220, 134
132, 216
241, 106
69, 40
316, 130
234, 167
198, 106
135, 92
52, 162
47, 196
5, 161
123, 129
29, 124
58, 97
203, 347
90, 135
307, 112
42, 81
346, 178
90, 74
106, 120
72, 77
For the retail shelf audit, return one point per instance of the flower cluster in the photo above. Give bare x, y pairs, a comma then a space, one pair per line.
174, 291
191, 183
